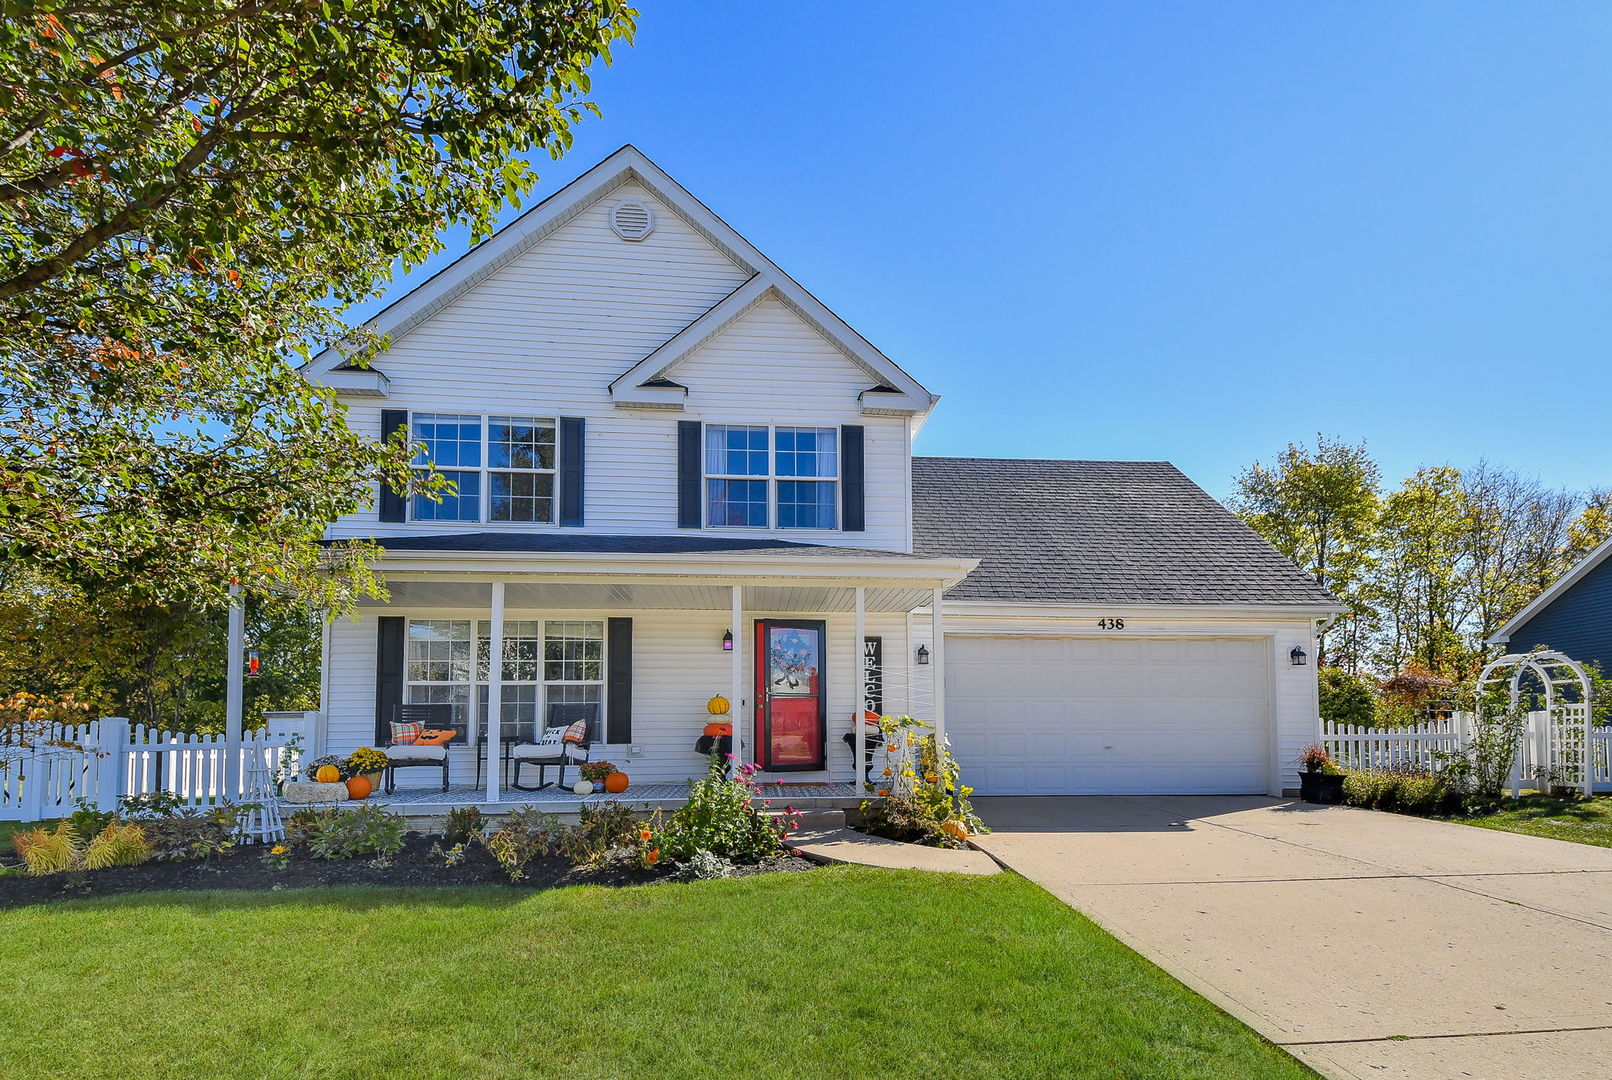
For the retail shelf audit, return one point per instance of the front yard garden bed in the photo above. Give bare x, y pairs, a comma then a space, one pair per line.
415, 865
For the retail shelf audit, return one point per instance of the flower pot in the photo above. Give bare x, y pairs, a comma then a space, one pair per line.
374, 779
1323, 788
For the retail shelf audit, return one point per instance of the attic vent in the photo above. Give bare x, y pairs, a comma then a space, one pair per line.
632, 221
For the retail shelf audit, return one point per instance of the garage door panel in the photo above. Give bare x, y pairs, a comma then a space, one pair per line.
1109, 715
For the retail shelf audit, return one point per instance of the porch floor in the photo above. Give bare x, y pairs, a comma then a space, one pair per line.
428, 801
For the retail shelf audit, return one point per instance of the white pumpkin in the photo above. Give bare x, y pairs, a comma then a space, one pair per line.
583, 787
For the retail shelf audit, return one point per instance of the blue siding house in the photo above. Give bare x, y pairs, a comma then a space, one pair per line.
1573, 616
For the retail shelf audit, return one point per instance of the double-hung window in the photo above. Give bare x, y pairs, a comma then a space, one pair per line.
502, 467
546, 662
759, 477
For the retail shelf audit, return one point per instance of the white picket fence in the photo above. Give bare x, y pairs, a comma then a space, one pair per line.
1430, 744
105, 759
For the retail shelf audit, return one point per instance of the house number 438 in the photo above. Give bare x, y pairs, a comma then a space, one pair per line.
1110, 624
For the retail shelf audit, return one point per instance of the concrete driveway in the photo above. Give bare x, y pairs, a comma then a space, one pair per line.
1368, 944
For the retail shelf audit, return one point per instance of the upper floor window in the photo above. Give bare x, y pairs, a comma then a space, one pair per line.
783, 477
502, 467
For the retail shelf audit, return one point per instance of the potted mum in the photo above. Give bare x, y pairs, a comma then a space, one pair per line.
367, 762
595, 772
1321, 781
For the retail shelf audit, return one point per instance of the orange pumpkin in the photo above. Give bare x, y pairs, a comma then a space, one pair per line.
719, 729
359, 787
616, 783
327, 774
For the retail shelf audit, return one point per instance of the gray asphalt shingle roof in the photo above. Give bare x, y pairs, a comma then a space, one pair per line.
1095, 532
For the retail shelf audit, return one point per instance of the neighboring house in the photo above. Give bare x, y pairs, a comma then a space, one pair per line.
1573, 616
675, 466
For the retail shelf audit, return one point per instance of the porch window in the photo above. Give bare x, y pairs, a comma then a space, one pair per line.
522, 687
786, 477
437, 664
510, 458
573, 667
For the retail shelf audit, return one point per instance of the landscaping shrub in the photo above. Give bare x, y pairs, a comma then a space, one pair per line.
464, 823
48, 851
1413, 791
525, 834
603, 834
720, 818
149, 806
922, 799
368, 829
194, 833
87, 822
119, 844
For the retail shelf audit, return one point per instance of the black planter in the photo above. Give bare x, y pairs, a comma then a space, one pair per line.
1323, 788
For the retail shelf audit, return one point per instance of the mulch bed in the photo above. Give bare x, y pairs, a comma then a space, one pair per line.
414, 866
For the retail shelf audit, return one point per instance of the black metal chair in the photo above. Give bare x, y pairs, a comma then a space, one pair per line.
552, 748
412, 756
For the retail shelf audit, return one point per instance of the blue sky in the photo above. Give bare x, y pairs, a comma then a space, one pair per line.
1182, 231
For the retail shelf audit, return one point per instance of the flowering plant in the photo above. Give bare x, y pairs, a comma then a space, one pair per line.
318, 763
365, 759
596, 770
721, 817
277, 857
922, 798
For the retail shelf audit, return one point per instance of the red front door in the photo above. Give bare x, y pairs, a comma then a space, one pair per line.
791, 718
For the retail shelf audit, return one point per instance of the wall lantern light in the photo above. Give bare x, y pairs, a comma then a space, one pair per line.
727, 641
923, 654
1298, 656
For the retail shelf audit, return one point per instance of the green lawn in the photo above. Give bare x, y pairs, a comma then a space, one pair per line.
838, 973
1587, 822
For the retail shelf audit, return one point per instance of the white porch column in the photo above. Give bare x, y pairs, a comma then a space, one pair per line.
737, 712
234, 694
858, 686
492, 737
937, 666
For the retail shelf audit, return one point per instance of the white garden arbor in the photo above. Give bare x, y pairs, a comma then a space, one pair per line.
1555, 744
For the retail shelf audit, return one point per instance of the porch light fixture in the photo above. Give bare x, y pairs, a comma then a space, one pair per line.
727, 641
1298, 656
923, 654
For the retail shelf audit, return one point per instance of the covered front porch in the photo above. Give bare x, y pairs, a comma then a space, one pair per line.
800, 640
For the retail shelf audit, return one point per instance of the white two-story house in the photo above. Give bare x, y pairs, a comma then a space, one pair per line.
678, 475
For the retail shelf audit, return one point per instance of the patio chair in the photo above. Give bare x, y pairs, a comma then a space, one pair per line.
413, 756
565, 738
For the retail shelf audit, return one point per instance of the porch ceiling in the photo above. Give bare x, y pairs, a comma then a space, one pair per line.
645, 596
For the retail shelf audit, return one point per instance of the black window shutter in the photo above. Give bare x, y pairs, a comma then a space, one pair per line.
391, 499
852, 516
573, 465
389, 631
688, 475
618, 691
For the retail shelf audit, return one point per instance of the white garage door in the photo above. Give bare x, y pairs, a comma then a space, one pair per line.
1109, 715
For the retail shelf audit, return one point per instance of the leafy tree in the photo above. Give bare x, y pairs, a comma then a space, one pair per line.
1420, 588
191, 192
1319, 508
1591, 528
1347, 697
1516, 535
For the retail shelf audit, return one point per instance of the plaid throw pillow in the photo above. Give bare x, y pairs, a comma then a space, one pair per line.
406, 734
577, 732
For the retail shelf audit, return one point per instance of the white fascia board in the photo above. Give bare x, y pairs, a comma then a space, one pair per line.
724, 313
1589, 562
665, 398
1056, 610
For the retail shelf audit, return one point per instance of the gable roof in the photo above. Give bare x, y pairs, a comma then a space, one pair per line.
1097, 532
626, 165
1589, 562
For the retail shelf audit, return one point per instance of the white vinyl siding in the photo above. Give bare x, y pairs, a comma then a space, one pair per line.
546, 332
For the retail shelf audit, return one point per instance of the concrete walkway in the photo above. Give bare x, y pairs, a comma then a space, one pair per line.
1367, 944
824, 837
